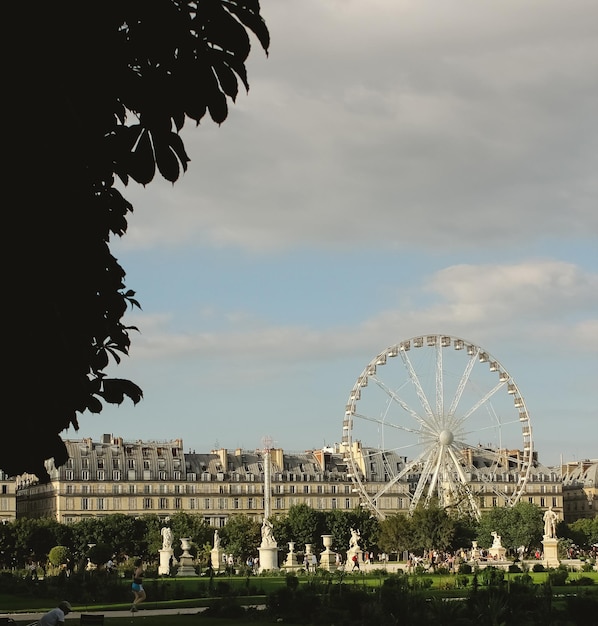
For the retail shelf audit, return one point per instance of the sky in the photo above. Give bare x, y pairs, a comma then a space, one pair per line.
398, 168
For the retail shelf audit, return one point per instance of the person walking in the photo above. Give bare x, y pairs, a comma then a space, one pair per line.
56, 616
137, 586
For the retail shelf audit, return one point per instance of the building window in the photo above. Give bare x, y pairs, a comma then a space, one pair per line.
206, 503
101, 475
333, 503
116, 504
494, 501
132, 488
85, 504
68, 475
178, 503
163, 503
192, 503
147, 488
132, 504
305, 488
162, 475
250, 503
147, 503
69, 489
347, 503
542, 502
177, 475
236, 504
101, 504
279, 503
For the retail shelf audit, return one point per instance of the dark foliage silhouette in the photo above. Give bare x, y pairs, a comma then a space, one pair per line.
94, 92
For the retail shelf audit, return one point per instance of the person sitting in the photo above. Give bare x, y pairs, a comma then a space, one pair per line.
55, 617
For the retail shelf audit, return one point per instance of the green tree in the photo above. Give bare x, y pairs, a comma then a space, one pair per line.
241, 536
586, 531
339, 524
7, 545
433, 528
520, 525
100, 91
34, 538
302, 524
396, 534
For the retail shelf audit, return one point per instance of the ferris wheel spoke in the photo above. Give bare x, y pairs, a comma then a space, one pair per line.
381, 422
464, 482
396, 398
418, 386
439, 383
423, 480
400, 475
496, 427
480, 403
463, 383
434, 477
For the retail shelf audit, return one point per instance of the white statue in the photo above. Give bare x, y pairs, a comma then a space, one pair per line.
268, 540
354, 541
550, 520
216, 539
166, 538
496, 543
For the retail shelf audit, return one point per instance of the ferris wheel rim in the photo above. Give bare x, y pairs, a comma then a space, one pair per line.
433, 422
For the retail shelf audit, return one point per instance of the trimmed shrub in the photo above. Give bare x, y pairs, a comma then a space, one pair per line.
558, 577
582, 581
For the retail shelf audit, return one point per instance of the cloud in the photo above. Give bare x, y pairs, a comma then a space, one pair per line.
396, 124
533, 301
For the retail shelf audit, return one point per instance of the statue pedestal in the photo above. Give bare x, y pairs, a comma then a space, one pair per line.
497, 553
165, 556
186, 567
350, 553
216, 560
551, 558
268, 558
328, 557
291, 563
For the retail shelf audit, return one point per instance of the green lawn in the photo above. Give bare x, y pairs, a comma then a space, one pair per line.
259, 587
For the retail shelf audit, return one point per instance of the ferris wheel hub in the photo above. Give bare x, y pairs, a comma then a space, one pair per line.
446, 437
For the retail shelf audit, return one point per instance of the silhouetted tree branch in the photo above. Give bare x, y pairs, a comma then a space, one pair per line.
94, 92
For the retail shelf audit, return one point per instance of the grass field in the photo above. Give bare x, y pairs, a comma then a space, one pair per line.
238, 588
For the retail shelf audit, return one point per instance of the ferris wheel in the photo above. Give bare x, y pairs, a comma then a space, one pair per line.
442, 417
